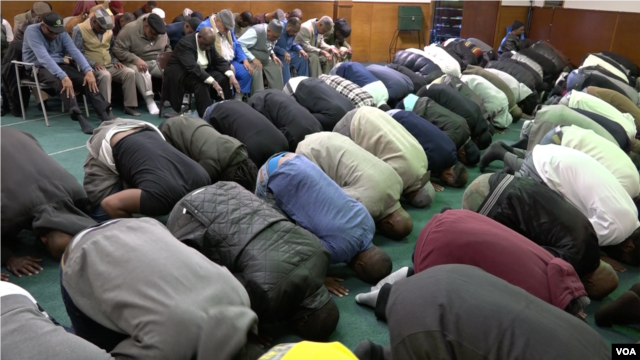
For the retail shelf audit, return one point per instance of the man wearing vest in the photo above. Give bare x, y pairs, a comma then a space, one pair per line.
311, 38
94, 39
257, 44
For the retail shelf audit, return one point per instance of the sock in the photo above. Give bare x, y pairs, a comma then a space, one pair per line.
623, 311
151, 105
392, 278
369, 299
495, 152
84, 125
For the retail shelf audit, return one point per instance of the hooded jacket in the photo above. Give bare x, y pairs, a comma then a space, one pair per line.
452, 124
544, 217
37, 192
286, 114
254, 130
235, 229
465, 237
323, 102
419, 64
215, 152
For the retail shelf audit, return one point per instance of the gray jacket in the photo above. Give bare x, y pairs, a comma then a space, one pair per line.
133, 277
99, 178
28, 333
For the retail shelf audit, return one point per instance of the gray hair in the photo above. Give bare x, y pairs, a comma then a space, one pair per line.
326, 22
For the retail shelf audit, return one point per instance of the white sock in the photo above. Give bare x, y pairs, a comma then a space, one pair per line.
369, 299
393, 277
151, 105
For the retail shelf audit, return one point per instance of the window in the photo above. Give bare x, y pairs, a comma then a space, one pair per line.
553, 3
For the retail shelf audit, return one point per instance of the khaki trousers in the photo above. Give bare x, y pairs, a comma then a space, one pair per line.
143, 80
125, 76
319, 65
273, 72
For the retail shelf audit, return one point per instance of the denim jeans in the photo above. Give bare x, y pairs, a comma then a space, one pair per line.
97, 213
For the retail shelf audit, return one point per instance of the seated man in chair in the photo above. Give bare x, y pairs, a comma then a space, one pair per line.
258, 43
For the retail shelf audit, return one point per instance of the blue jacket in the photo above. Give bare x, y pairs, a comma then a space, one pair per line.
285, 43
239, 55
356, 73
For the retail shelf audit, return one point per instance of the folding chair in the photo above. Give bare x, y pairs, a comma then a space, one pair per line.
36, 84
162, 60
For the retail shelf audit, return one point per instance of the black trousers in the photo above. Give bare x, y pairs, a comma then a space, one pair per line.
100, 105
204, 93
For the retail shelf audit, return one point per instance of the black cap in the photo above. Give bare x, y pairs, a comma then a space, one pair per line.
156, 24
54, 22
194, 23
516, 25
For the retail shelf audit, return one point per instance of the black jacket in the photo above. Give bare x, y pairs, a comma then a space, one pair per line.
515, 69
323, 102
281, 265
254, 130
615, 129
463, 52
543, 216
184, 61
509, 43
37, 193
559, 60
417, 79
628, 64
419, 64
286, 114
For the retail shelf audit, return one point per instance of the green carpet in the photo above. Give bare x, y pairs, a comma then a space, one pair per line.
64, 141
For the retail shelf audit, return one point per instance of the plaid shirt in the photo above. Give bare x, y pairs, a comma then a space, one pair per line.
358, 97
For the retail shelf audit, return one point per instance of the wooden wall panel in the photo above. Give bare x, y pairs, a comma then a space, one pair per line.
361, 30
626, 36
310, 9
578, 32
506, 17
13, 8
541, 21
479, 20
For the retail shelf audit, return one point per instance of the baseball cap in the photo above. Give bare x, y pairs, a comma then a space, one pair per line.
53, 21
104, 19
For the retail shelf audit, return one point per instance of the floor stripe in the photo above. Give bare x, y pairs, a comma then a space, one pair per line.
63, 151
28, 121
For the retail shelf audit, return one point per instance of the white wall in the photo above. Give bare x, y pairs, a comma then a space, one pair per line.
608, 5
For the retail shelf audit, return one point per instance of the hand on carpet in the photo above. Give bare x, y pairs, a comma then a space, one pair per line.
437, 187
614, 264
4, 277
332, 285
26, 265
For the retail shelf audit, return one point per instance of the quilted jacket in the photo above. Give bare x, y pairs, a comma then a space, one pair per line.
515, 69
418, 63
282, 265
294, 121
441, 57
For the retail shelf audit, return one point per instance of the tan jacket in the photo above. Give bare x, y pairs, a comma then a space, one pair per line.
310, 43
131, 44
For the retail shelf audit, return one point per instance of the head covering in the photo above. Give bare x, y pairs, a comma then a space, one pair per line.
194, 22
279, 14
158, 12
187, 12
226, 16
104, 19
476, 192
197, 14
156, 24
516, 25
116, 7
276, 26
41, 8
54, 22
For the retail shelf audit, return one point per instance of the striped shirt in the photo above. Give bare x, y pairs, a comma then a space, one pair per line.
353, 92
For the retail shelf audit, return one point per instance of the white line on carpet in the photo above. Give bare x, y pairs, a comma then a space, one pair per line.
28, 121
63, 151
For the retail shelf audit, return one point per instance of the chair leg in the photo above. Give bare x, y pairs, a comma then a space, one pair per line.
24, 116
161, 99
86, 106
44, 110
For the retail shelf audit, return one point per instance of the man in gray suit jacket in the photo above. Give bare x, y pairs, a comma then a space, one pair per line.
321, 54
134, 290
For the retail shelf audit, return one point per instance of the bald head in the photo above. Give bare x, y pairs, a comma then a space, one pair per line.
206, 38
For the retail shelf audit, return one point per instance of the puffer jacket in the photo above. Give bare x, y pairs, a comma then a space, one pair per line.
419, 64
634, 71
548, 67
551, 53
611, 65
495, 80
323, 102
215, 152
526, 60
517, 70
281, 265
469, 110
465, 53
488, 53
452, 124
417, 80
544, 217
294, 121
441, 57
581, 78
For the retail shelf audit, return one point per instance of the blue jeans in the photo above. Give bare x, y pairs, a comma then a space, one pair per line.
88, 329
97, 213
299, 64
